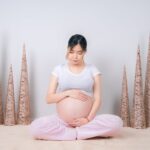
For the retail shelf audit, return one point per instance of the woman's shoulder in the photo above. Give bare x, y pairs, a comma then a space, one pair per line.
93, 69
57, 69
91, 65
59, 66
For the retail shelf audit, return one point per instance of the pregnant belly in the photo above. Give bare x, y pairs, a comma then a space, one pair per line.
71, 108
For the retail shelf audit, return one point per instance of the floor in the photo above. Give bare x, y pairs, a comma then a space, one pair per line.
17, 138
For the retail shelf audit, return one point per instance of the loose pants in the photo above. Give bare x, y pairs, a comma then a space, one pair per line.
54, 128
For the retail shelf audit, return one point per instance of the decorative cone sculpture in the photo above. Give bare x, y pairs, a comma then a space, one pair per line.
24, 102
1, 107
10, 101
125, 101
138, 100
147, 89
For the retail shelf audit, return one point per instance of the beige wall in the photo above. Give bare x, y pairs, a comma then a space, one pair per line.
113, 29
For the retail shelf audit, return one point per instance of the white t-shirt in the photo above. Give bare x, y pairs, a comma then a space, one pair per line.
82, 81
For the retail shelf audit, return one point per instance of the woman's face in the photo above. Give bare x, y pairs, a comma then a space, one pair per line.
75, 55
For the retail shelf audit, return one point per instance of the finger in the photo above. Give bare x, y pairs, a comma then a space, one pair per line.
72, 122
79, 97
85, 97
78, 123
82, 97
73, 125
77, 119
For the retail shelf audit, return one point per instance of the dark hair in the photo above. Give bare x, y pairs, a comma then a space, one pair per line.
77, 39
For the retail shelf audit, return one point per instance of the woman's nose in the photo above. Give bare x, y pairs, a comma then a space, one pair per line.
75, 56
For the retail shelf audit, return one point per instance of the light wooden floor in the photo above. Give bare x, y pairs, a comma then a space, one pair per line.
17, 138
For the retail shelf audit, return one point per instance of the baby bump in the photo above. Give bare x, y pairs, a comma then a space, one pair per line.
71, 108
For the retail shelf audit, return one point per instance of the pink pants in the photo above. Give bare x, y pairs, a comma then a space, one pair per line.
53, 128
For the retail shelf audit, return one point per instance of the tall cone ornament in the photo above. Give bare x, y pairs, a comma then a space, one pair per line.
10, 101
147, 89
125, 101
138, 100
1, 107
23, 114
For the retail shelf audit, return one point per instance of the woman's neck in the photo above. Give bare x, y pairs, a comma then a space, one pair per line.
76, 68
77, 65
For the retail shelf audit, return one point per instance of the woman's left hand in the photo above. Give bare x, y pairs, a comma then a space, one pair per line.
78, 122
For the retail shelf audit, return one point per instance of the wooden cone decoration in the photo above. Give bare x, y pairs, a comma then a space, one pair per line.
1, 107
10, 101
24, 102
125, 101
147, 89
138, 100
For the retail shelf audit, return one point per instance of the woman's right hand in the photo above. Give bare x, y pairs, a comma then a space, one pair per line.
77, 94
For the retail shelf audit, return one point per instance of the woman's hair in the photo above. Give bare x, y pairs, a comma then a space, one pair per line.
77, 39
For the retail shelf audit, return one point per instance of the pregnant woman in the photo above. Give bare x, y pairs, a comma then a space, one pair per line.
75, 88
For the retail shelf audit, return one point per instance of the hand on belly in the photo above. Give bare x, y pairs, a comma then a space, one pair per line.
70, 108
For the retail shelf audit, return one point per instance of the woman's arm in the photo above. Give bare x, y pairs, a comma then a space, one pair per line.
97, 97
52, 97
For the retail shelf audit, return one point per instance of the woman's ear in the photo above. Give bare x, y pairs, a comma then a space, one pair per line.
68, 49
84, 52
66, 56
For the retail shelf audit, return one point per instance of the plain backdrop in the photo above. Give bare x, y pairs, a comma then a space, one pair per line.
113, 29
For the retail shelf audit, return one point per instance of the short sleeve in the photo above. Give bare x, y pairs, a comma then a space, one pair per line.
94, 70
56, 71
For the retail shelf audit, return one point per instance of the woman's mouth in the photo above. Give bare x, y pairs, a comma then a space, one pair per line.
75, 60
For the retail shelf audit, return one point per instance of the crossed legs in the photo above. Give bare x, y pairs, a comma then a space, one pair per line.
53, 128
